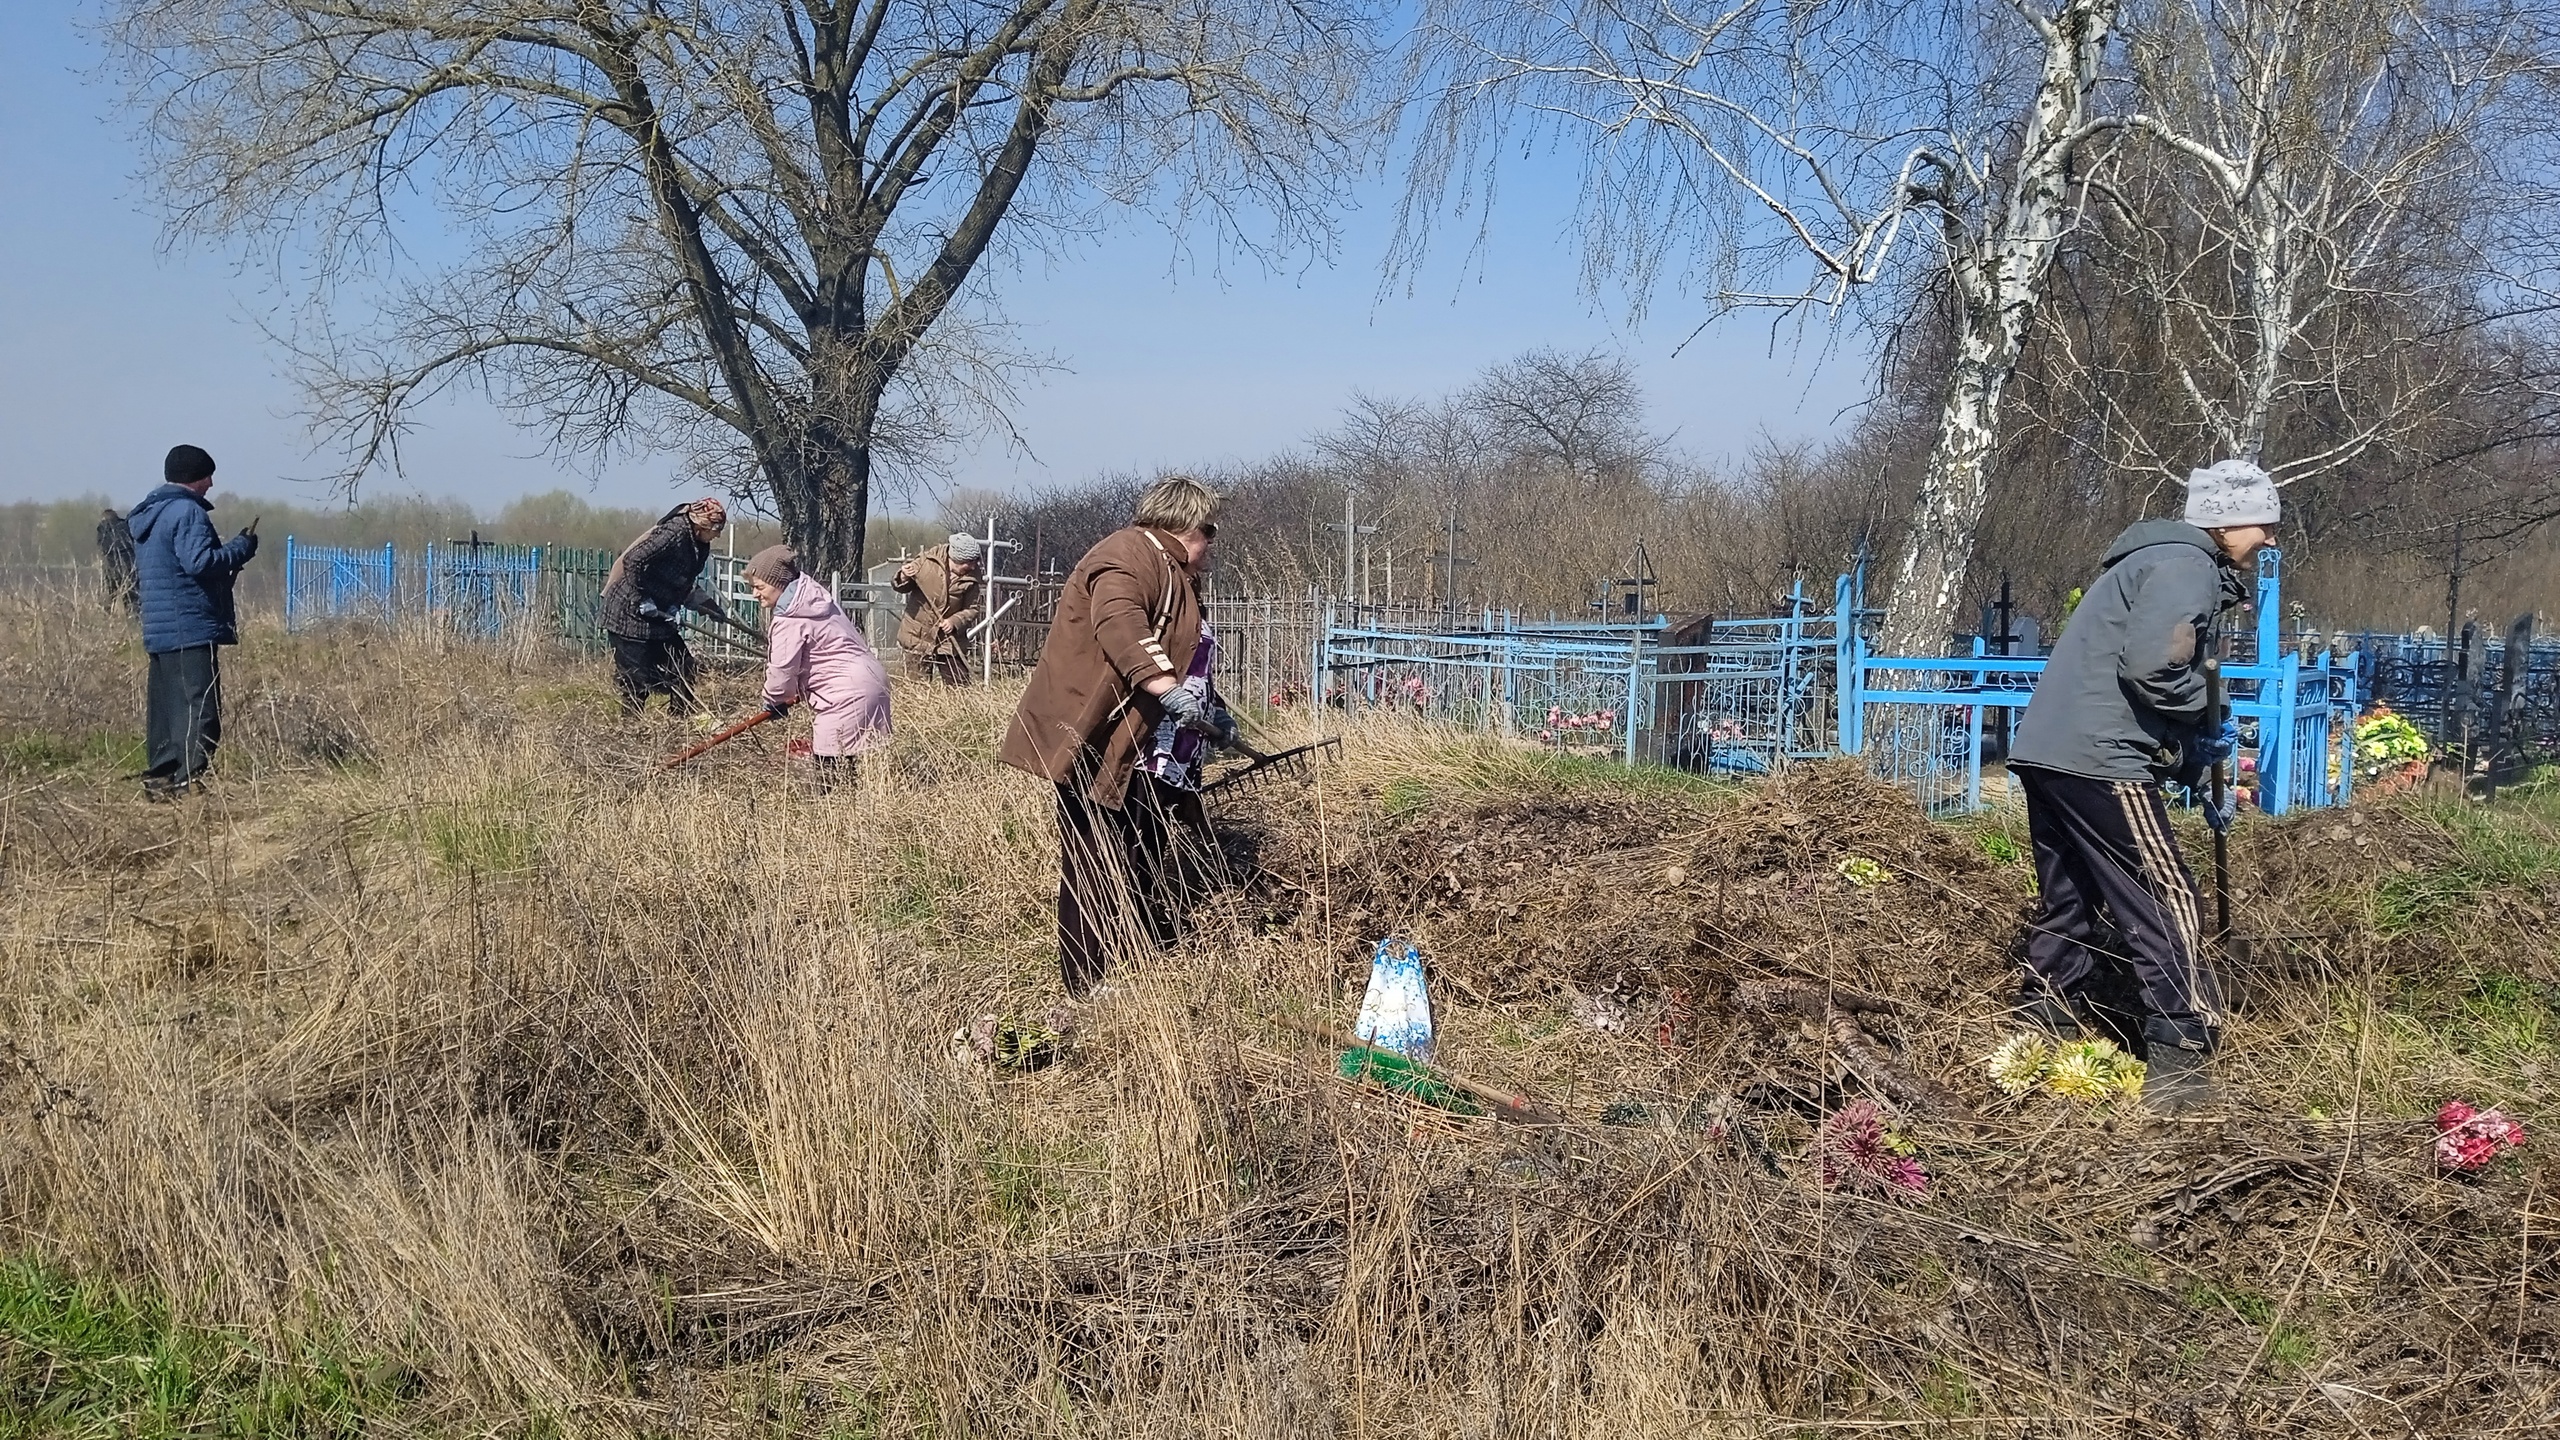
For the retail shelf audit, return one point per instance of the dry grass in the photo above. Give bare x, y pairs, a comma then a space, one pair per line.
617, 1103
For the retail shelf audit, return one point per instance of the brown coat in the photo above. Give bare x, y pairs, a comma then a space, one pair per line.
934, 595
1129, 612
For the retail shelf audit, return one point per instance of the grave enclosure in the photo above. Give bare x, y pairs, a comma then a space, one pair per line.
1713, 695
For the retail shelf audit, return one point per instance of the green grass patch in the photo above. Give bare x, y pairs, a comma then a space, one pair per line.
919, 884
41, 754
2290, 1349
2494, 1023
488, 836
573, 697
80, 1358
2508, 846
1028, 1186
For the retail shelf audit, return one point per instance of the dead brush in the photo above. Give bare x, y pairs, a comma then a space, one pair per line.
650, 1125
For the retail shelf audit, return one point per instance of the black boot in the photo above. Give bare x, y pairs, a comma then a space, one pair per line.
2042, 1008
2177, 1077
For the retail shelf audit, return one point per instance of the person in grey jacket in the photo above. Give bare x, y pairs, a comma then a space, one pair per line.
2121, 709
184, 573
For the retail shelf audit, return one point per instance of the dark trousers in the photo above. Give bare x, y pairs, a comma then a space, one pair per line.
1126, 877
642, 668
2106, 843
948, 667
182, 715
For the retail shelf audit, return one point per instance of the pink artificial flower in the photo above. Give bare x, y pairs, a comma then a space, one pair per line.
1546, 737
2468, 1138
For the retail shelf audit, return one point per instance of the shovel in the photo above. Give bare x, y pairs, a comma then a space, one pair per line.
2234, 948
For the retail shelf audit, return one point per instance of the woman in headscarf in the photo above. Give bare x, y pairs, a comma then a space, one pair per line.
816, 654
652, 581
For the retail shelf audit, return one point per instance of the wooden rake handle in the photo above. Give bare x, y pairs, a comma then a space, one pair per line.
723, 738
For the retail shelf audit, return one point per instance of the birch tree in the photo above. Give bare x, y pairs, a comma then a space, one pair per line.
2335, 156
753, 230
1811, 158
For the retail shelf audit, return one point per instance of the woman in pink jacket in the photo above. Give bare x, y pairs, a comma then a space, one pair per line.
815, 653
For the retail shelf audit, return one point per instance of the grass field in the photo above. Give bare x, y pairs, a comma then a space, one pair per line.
447, 1071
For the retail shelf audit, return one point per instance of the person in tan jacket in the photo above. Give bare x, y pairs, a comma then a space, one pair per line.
944, 598
1119, 715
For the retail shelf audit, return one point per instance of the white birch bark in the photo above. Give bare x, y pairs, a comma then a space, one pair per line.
1997, 274
1786, 152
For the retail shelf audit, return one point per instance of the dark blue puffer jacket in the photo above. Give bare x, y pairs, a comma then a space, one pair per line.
185, 571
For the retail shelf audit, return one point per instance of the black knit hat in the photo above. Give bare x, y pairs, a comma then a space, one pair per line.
186, 465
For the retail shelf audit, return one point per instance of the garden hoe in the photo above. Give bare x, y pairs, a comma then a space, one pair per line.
725, 736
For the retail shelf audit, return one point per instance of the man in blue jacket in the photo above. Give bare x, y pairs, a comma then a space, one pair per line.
185, 574
2121, 709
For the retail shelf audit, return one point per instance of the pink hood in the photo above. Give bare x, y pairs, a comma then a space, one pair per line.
818, 657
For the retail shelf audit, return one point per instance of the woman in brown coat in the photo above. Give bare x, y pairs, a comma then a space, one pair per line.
942, 587
1119, 715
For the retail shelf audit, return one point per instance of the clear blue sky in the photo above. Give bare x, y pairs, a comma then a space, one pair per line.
115, 347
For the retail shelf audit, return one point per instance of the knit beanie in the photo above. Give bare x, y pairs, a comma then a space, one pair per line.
2231, 492
774, 565
964, 546
186, 465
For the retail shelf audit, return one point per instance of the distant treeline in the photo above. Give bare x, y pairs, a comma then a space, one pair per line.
58, 538
1550, 472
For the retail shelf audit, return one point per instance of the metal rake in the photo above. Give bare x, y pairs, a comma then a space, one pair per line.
1294, 763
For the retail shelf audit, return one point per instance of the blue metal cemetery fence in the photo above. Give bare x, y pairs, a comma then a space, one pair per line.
479, 588
332, 581
1920, 721
1579, 686
2411, 674
473, 586
1747, 696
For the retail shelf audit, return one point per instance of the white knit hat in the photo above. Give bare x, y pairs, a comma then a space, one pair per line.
2231, 492
964, 546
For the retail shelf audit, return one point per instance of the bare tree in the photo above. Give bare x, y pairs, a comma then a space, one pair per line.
2326, 260
747, 229
1786, 153
1582, 413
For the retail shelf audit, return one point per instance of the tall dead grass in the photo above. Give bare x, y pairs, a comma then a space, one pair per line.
619, 1102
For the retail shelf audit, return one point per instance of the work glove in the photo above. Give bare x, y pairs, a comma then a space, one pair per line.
1188, 709
2218, 745
776, 709
649, 611
2219, 817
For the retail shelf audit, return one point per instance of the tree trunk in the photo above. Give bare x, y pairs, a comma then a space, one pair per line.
1999, 270
1937, 549
824, 502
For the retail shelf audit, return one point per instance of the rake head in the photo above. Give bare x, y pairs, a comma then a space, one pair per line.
1295, 763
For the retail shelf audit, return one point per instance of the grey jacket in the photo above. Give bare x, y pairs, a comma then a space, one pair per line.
2124, 694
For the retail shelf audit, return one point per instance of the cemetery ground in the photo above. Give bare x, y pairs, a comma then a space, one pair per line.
449, 1071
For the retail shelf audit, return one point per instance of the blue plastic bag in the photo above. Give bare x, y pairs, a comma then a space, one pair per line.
1395, 1014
